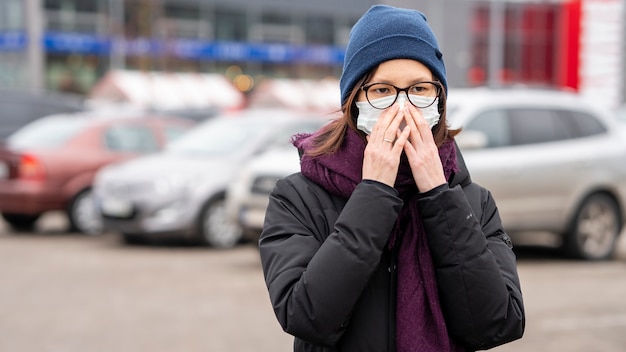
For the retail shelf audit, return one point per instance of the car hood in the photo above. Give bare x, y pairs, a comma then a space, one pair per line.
170, 165
279, 161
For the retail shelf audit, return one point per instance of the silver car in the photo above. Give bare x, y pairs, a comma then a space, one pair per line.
554, 164
180, 192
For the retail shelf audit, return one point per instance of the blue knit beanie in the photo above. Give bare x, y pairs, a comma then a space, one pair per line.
384, 33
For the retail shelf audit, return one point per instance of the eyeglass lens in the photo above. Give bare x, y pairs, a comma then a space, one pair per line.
421, 95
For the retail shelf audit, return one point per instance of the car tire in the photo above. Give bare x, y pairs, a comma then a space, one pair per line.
134, 239
83, 214
21, 222
215, 229
594, 230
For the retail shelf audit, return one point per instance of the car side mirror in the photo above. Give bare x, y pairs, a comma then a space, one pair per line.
471, 139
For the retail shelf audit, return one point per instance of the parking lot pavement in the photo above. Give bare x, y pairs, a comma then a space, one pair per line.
67, 292
64, 292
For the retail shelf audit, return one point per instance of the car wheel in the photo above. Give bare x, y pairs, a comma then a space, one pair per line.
21, 222
594, 230
131, 238
83, 214
215, 228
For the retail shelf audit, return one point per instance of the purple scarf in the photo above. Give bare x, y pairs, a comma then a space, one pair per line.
420, 325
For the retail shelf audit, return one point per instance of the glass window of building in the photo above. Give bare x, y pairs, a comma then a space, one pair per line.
342, 31
319, 30
11, 15
86, 16
139, 17
181, 11
529, 44
73, 5
184, 21
230, 25
273, 27
539, 52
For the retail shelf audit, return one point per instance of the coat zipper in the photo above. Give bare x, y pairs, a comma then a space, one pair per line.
393, 281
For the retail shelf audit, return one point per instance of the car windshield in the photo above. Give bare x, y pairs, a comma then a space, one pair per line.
218, 136
47, 132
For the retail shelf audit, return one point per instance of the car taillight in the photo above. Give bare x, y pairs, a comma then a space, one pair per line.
30, 168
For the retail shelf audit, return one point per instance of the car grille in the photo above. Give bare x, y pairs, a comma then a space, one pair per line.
264, 184
128, 190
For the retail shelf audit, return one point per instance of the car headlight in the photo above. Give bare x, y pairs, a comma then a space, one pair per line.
264, 184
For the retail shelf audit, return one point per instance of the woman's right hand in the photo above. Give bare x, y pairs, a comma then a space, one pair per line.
384, 147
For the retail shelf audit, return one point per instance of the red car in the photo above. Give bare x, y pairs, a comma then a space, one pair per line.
49, 164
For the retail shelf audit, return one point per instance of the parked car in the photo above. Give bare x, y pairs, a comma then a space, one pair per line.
553, 162
19, 107
49, 164
247, 196
180, 192
621, 113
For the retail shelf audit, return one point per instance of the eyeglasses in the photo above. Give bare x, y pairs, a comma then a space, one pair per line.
428, 91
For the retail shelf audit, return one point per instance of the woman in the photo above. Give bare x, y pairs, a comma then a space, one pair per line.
382, 242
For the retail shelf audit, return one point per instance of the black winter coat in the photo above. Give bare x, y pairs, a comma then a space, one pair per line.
331, 279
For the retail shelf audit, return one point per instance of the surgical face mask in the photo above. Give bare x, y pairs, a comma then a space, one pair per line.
369, 115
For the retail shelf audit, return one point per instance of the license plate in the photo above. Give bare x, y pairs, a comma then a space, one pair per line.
116, 207
4, 171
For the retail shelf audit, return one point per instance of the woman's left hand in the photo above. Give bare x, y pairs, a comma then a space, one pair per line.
422, 152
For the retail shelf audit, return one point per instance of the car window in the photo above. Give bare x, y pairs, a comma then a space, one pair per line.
283, 137
219, 136
531, 126
495, 125
130, 138
583, 124
47, 132
173, 132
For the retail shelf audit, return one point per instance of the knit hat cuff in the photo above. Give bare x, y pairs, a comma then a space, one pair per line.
397, 46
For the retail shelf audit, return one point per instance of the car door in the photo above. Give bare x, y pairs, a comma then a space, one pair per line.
536, 159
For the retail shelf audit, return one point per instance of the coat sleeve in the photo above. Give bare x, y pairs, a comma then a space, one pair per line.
316, 263
479, 287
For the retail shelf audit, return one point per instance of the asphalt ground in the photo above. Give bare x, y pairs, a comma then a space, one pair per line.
66, 292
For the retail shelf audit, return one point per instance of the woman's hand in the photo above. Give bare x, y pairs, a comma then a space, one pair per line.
384, 147
422, 152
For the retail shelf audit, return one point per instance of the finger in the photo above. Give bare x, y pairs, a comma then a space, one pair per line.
402, 138
394, 125
412, 115
379, 129
420, 124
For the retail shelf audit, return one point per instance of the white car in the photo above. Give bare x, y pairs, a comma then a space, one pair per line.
180, 192
247, 196
620, 112
553, 162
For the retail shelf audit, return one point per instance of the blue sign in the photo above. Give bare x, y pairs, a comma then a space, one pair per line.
12, 41
67, 42
63, 42
259, 52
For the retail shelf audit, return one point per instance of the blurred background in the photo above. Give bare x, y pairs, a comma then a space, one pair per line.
71, 45
140, 139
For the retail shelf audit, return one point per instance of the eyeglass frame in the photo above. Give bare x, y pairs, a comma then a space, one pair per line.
437, 84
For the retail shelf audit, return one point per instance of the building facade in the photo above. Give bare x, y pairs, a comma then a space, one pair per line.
69, 44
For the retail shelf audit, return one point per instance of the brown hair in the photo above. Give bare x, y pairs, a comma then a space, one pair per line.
331, 137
